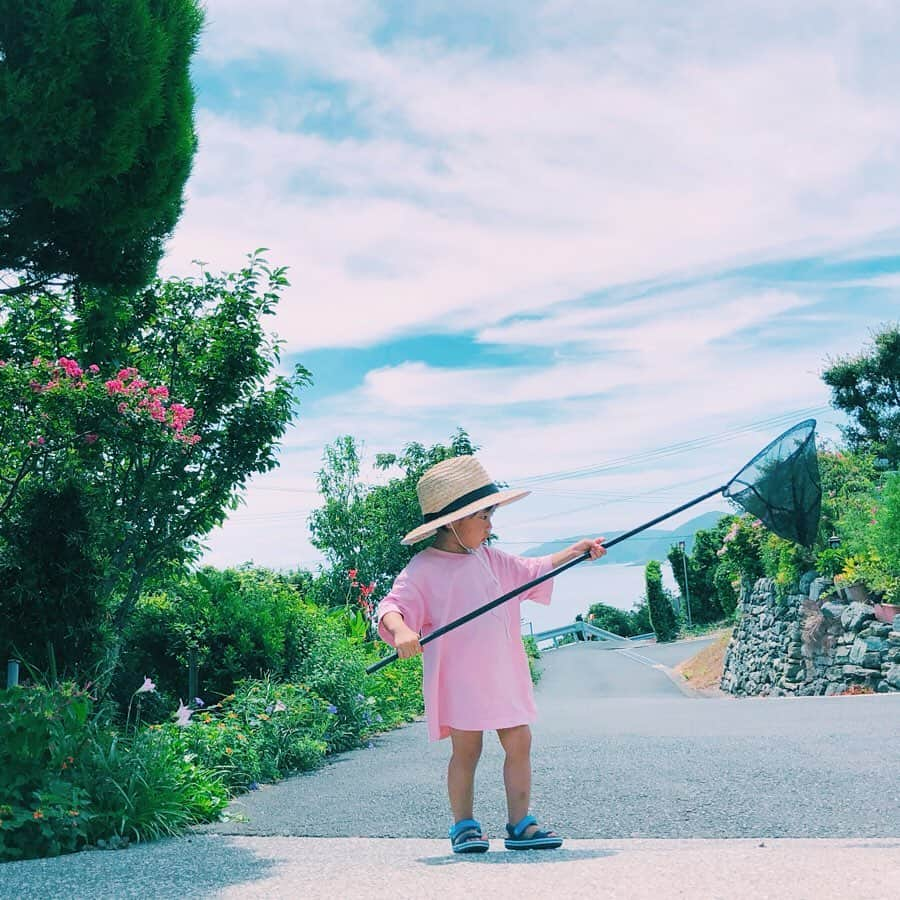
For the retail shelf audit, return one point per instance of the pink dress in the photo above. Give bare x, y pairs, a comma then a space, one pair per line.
476, 677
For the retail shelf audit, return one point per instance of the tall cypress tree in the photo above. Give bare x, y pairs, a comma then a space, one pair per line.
96, 118
662, 616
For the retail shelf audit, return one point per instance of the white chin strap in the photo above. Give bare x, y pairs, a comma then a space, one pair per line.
458, 541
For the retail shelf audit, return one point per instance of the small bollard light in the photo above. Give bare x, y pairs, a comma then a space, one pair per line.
12, 673
834, 542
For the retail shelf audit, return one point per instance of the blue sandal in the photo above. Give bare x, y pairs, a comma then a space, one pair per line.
537, 840
466, 837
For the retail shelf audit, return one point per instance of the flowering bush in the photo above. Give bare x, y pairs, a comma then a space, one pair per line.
51, 407
125, 435
740, 560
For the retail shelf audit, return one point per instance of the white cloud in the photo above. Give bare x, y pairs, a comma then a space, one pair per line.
512, 184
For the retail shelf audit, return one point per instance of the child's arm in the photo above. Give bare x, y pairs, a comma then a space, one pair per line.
404, 639
595, 546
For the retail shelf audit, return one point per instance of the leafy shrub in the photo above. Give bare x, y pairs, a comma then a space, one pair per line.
397, 690
43, 813
146, 786
534, 657
784, 561
627, 623
243, 623
262, 732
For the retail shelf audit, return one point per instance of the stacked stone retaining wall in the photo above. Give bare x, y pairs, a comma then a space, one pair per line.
815, 641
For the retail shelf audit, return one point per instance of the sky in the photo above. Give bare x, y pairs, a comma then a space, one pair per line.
616, 242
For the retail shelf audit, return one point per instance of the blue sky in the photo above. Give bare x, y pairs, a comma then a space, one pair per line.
583, 232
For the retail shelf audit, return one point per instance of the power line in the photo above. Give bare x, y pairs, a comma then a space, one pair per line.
670, 449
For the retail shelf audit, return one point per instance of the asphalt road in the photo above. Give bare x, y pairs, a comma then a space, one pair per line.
659, 795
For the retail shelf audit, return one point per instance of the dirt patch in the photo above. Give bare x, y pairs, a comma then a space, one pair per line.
703, 671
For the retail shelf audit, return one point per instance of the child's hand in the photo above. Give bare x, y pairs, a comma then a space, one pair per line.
406, 642
595, 546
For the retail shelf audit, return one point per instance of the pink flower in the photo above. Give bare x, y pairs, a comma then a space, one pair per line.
91, 438
181, 415
147, 687
114, 386
127, 373
93, 368
41, 440
70, 367
36, 362
122, 407
2, 363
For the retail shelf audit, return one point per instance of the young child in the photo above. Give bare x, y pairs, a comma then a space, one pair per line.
476, 677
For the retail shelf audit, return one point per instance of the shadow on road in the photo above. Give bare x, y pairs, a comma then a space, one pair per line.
515, 857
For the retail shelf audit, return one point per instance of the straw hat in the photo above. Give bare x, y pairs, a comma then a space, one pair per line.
454, 489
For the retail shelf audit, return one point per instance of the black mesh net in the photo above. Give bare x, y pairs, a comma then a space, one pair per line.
781, 487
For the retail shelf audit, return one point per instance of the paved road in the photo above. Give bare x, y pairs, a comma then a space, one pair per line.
611, 772
655, 764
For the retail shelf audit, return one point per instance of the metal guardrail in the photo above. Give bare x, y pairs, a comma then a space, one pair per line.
585, 629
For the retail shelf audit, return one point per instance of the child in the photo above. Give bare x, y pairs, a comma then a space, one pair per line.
476, 677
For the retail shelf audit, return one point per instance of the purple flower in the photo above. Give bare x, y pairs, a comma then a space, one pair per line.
332, 709
147, 687
253, 786
198, 702
279, 706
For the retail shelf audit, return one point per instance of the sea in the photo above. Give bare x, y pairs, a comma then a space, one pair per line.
577, 588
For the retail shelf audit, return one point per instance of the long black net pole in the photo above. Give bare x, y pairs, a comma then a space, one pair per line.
434, 635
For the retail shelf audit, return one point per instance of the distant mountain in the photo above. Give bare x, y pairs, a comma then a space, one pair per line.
654, 543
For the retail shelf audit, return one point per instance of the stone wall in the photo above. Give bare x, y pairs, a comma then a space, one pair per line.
805, 644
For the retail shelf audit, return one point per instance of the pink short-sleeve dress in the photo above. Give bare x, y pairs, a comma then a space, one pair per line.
475, 678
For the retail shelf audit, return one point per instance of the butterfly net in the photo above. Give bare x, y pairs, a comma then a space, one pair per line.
781, 486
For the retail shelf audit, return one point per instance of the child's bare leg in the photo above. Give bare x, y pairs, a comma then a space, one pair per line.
461, 772
517, 771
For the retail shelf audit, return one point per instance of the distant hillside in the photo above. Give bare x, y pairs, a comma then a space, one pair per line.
654, 543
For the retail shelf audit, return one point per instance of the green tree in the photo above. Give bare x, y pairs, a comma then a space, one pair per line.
662, 615
867, 387
701, 571
96, 113
359, 527
154, 496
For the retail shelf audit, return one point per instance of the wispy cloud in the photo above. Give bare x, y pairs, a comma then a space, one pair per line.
586, 192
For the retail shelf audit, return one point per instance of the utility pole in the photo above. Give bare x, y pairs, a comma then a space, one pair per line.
687, 589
